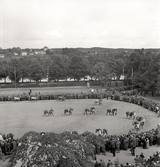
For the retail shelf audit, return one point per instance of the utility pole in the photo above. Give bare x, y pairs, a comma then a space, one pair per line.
123, 76
15, 77
48, 75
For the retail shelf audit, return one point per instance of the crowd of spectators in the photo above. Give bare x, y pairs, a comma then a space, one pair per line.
7, 144
136, 99
115, 144
139, 161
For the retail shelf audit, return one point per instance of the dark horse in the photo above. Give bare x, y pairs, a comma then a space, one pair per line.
131, 114
90, 111
112, 112
68, 111
48, 112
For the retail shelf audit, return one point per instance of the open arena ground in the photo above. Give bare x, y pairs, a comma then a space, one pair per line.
21, 117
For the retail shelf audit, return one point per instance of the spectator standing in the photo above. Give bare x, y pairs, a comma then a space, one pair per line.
141, 157
118, 143
102, 163
97, 164
137, 161
113, 151
147, 143
109, 164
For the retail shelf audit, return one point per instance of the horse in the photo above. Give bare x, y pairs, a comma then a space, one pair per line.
141, 124
92, 110
108, 111
86, 111
46, 112
112, 112
68, 111
139, 118
136, 125
60, 98
34, 98
17, 99
50, 112
130, 114
98, 102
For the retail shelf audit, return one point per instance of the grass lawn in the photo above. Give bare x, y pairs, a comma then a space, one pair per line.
21, 117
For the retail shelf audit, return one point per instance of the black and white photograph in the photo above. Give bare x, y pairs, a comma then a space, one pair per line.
79, 83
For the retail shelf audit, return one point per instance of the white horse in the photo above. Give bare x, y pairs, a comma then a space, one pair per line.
98, 102
34, 98
16, 99
137, 126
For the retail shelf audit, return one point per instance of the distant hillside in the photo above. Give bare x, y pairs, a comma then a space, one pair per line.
103, 50
115, 50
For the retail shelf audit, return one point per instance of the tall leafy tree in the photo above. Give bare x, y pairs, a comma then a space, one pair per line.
78, 67
36, 71
57, 68
3, 70
14, 71
98, 71
158, 84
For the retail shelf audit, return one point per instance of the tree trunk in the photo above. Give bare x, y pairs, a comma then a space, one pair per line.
78, 81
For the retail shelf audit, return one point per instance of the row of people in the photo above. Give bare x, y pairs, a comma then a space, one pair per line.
26, 97
139, 161
139, 100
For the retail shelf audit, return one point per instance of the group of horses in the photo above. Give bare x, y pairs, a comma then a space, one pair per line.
139, 120
50, 112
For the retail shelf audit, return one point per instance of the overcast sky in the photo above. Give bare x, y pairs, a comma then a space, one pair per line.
80, 23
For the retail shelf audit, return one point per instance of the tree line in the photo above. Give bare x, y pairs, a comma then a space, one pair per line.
140, 67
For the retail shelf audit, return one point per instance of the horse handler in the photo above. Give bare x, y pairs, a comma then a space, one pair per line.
133, 145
